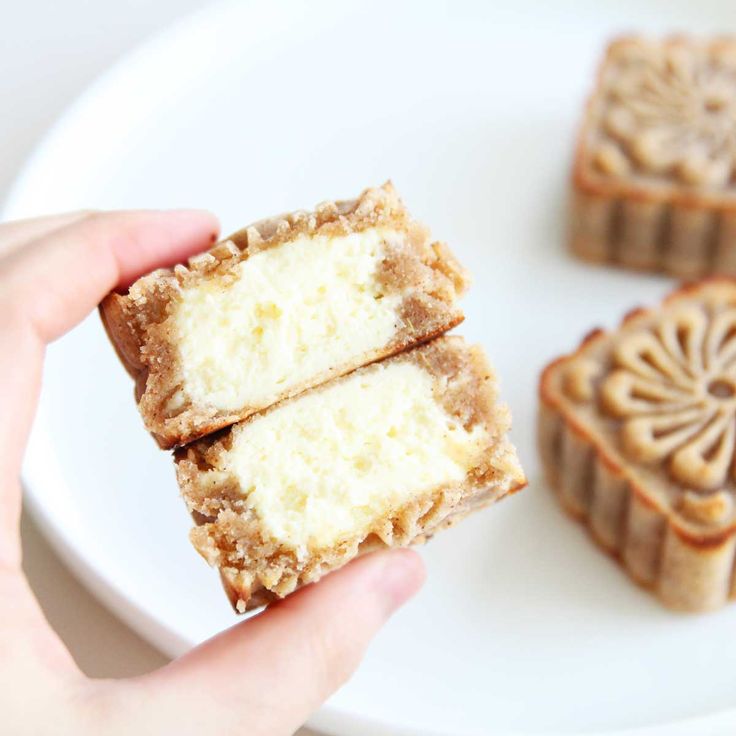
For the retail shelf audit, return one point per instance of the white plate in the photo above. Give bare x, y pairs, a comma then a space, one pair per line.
256, 108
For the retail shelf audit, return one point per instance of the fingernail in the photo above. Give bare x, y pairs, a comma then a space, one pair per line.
199, 217
400, 577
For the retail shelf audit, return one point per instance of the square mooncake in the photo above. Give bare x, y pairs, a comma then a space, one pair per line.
279, 307
637, 432
385, 456
653, 179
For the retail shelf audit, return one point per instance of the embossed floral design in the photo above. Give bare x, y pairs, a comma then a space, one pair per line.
670, 109
674, 389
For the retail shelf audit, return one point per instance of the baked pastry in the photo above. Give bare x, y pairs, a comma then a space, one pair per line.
637, 432
653, 180
385, 456
278, 307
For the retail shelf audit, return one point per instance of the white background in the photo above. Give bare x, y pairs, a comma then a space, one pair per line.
50, 51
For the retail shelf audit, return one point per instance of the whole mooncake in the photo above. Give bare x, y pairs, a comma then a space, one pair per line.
637, 432
653, 180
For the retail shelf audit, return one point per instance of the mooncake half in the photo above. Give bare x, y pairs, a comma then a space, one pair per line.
279, 307
385, 456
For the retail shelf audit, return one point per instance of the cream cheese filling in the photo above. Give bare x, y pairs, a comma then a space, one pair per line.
329, 464
293, 311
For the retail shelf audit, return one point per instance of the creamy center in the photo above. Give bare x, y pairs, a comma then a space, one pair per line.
293, 312
327, 465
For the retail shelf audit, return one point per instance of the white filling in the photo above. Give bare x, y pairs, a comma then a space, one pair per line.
327, 465
295, 311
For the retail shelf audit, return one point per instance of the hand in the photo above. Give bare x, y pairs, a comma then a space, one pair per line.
262, 676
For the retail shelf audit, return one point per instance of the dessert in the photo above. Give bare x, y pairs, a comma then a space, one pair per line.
637, 432
278, 307
653, 179
385, 456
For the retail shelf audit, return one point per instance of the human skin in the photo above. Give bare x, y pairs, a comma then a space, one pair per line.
265, 675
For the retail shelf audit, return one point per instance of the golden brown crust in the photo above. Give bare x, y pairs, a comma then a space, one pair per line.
256, 569
424, 272
671, 524
648, 205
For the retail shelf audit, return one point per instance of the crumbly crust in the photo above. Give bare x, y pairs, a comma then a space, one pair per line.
637, 432
257, 569
425, 273
653, 178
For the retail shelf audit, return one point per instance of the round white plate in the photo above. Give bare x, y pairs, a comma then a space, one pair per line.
255, 108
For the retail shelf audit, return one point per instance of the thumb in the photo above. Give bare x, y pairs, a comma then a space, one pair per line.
268, 674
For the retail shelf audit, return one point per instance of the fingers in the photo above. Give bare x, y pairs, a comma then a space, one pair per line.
270, 672
19, 232
52, 283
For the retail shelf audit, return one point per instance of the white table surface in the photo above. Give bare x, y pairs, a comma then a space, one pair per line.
50, 51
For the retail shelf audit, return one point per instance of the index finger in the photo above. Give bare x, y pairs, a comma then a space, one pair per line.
54, 281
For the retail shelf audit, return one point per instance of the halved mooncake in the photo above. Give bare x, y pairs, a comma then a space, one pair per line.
654, 180
278, 307
637, 432
385, 456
